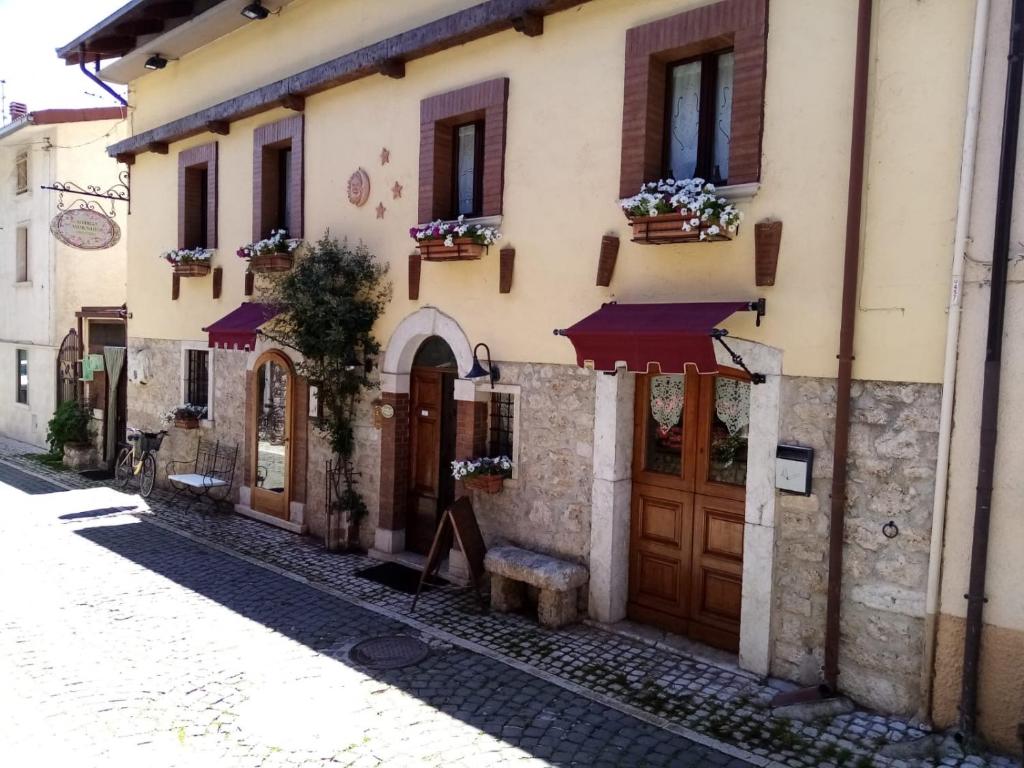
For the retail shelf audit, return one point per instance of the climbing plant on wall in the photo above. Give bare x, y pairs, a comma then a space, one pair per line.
329, 303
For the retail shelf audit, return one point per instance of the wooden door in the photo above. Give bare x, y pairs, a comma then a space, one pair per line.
270, 435
686, 528
431, 414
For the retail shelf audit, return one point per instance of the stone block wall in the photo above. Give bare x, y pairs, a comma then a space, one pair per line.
547, 506
891, 472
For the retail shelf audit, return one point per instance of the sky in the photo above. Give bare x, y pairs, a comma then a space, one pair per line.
30, 31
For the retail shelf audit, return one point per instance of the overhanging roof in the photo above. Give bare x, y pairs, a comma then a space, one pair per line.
387, 56
56, 116
135, 22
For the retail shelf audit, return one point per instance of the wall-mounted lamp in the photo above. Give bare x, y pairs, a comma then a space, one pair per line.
478, 371
156, 61
255, 11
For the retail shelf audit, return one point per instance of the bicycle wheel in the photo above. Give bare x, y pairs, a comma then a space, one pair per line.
123, 468
147, 476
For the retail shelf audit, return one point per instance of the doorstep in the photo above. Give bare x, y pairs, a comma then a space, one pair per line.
288, 525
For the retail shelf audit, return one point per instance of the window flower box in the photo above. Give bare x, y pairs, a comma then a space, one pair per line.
485, 474
185, 416
271, 262
685, 211
485, 483
189, 262
668, 228
453, 240
273, 254
192, 270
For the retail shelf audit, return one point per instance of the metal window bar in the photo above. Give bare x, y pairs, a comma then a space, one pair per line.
502, 424
197, 377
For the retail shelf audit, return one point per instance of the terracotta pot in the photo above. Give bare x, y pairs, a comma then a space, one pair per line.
271, 262
485, 483
461, 249
186, 422
192, 269
668, 228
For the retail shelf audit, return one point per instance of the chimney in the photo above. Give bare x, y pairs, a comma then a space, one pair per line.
18, 110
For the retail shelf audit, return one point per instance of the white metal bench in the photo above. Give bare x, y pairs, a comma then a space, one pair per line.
209, 475
558, 582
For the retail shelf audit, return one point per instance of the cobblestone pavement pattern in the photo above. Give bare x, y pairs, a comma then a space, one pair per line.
122, 643
695, 697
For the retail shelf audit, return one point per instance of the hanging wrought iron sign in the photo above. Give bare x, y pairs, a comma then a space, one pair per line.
119, 192
85, 228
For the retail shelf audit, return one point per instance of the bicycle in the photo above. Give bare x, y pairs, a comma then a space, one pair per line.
138, 459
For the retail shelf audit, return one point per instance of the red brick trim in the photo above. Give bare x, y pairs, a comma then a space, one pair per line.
487, 101
204, 156
283, 134
470, 433
742, 24
394, 463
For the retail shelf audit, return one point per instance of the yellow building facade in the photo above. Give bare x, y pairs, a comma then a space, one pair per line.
717, 550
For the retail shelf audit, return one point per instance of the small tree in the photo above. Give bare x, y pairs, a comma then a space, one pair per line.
329, 303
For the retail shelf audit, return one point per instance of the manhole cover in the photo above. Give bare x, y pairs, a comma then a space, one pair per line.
389, 652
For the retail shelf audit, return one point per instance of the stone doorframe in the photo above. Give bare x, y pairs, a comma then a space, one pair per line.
298, 447
612, 492
471, 416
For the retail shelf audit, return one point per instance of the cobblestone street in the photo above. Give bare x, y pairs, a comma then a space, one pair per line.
124, 644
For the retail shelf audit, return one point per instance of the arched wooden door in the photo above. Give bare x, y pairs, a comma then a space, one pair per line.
270, 433
69, 368
686, 526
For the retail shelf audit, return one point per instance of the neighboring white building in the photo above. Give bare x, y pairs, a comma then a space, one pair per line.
44, 284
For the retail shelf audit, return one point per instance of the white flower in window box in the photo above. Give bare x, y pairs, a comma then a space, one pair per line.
683, 211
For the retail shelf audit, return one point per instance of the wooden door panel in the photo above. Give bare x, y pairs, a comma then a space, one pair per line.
659, 559
718, 568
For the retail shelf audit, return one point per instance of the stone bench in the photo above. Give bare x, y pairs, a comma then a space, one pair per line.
558, 581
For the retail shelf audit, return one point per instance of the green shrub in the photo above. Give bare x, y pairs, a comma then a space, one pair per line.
70, 424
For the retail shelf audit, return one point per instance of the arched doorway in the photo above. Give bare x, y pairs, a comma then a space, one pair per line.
270, 433
431, 440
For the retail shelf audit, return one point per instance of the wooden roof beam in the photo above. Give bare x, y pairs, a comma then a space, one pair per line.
530, 24
394, 68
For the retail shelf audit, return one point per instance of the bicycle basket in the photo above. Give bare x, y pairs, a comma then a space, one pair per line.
150, 441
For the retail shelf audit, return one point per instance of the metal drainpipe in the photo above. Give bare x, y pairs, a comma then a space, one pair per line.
993, 363
844, 378
963, 217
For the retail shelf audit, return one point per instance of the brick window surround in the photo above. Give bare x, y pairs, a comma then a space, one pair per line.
738, 24
191, 161
486, 102
267, 141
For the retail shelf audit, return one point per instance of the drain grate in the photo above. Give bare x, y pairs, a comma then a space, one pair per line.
389, 652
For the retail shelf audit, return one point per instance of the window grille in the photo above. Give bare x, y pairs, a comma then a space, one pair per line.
502, 424
197, 377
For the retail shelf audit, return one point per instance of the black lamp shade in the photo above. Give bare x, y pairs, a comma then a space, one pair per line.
477, 371
156, 61
255, 11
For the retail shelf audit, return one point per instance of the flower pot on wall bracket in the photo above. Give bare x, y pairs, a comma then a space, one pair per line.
186, 423
271, 262
191, 269
461, 249
668, 228
485, 483
767, 238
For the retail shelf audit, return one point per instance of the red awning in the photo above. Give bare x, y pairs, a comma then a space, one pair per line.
649, 337
237, 329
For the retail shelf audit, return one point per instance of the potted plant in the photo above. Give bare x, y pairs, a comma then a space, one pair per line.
483, 474
453, 240
272, 254
185, 416
68, 435
189, 262
687, 210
